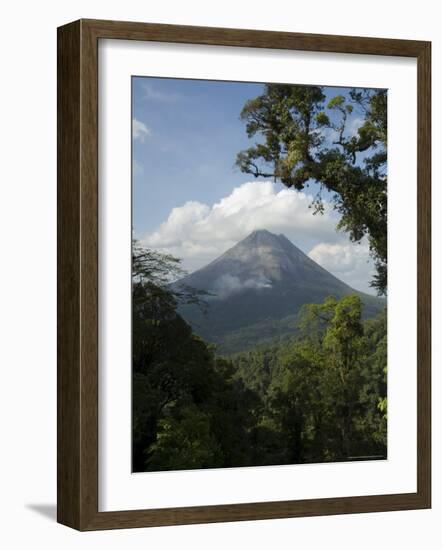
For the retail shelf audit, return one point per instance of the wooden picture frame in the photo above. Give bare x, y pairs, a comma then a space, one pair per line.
78, 274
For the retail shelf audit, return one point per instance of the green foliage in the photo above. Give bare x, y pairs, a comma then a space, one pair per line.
188, 410
289, 123
324, 391
319, 396
184, 440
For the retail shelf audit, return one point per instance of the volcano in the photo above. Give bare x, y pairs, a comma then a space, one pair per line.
257, 288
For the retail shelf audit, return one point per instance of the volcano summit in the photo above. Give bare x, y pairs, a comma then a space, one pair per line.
257, 288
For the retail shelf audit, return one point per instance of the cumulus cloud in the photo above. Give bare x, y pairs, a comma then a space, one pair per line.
195, 228
139, 130
198, 232
348, 261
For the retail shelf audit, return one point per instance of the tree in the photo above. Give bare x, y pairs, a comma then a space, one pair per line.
184, 441
168, 361
374, 388
343, 343
352, 379
153, 276
290, 123
294, 404
189, 410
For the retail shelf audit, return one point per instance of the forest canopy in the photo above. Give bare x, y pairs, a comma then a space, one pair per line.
321, 396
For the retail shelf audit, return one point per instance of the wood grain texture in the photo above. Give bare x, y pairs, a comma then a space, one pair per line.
77, 168
253, 38
78, 277
68, 276
424, 274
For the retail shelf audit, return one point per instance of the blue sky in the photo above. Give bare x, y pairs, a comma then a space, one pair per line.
186, 135
195, 134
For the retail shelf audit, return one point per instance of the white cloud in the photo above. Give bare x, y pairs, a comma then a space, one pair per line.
198, 233
139, 130
354, 125
348, 261
329, 134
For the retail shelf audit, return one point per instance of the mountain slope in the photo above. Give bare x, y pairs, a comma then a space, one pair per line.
258, 287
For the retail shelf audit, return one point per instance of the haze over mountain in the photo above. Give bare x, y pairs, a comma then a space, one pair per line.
257, 289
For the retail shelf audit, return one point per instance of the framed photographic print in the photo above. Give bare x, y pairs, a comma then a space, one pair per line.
244, 275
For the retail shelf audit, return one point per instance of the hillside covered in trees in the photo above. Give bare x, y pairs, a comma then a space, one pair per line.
255, 291
318, 397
